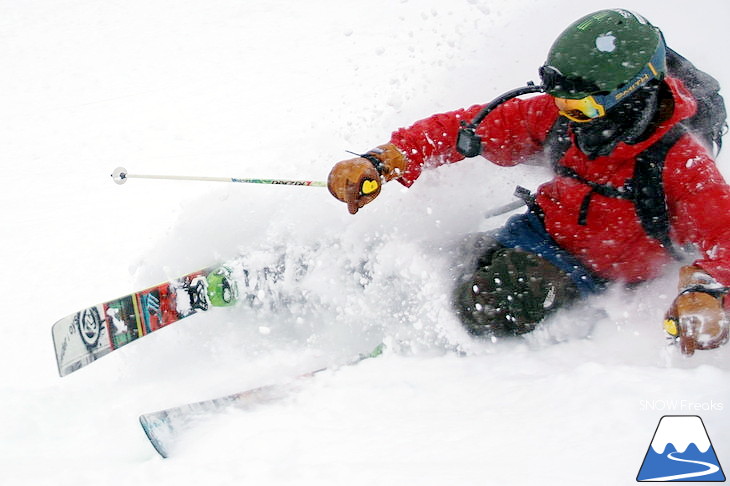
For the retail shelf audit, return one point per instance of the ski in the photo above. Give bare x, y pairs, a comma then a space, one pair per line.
89, 334
165, 428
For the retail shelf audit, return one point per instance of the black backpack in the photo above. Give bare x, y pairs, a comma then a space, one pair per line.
710, 121
646, 189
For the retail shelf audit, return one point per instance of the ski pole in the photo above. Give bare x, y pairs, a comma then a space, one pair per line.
504, 209
120, 176
523, 196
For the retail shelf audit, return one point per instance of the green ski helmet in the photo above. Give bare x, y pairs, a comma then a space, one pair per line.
605, 56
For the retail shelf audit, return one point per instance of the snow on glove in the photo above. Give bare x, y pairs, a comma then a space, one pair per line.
357, 181
697, 318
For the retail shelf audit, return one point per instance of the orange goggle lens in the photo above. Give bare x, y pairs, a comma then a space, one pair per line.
582, 110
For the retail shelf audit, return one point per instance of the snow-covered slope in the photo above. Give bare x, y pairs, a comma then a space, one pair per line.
282, 89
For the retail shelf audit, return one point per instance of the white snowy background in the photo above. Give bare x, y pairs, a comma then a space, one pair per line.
255, 88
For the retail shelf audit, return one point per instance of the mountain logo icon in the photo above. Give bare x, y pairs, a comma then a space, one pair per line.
681, 451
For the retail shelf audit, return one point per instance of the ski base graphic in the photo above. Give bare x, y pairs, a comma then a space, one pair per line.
89, 334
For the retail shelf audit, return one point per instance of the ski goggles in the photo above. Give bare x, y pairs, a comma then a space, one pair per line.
594, 106
582, 110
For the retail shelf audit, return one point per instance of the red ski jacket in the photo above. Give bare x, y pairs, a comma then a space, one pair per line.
612, 243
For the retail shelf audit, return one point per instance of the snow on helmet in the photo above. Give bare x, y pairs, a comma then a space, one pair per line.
610, 53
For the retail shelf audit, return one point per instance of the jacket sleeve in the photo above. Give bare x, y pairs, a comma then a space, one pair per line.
512, 133
699, 204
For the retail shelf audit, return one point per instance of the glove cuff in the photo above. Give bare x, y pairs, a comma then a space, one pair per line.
388, 160
716, 292
694, 279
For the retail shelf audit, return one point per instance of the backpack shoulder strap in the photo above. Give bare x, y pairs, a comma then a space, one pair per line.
557, 143
648, 188
645, 189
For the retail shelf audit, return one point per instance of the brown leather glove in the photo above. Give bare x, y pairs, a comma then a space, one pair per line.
697, 318
358, 181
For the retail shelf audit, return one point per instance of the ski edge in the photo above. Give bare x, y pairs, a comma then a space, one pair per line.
244, 400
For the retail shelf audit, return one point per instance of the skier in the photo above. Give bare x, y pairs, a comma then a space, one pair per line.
634, 174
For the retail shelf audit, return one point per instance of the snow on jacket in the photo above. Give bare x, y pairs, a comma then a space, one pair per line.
612, 242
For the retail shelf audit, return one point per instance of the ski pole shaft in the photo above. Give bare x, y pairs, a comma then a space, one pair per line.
120, 176
504, 209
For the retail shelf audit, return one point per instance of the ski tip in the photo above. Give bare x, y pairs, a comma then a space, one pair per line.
55, 351
61, 333
79, 339
149, 426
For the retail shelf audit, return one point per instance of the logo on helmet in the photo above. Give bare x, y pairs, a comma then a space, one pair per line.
606, 42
